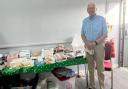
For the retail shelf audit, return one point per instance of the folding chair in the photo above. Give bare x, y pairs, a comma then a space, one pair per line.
109, 53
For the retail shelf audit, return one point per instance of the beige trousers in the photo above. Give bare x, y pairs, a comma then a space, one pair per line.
98, 59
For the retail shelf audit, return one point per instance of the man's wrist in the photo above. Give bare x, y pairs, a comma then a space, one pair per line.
96, 43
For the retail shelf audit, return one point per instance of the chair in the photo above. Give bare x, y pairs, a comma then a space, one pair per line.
109, 53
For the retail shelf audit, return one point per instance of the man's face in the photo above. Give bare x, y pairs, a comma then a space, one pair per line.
91, 9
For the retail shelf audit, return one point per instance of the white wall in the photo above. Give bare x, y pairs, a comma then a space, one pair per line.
36, 22
26, 22
32, 22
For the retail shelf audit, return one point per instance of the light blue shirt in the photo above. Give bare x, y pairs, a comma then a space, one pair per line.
94, 27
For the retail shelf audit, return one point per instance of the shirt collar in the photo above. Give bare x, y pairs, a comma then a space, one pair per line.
92, 17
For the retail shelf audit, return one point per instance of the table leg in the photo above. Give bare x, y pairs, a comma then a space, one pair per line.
86, 74
78, 74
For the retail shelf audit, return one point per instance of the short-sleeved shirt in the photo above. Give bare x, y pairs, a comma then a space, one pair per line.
94, 27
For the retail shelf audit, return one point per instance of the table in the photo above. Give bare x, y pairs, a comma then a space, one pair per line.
12, 74
43, 68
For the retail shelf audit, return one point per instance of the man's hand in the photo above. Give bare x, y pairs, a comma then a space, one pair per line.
90, 45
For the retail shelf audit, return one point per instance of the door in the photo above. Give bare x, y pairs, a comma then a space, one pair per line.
125, 61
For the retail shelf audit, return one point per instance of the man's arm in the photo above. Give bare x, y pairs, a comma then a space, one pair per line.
87, 43
101, 39
83, 34
84, 39
105, 31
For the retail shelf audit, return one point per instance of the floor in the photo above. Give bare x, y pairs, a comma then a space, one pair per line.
120, 76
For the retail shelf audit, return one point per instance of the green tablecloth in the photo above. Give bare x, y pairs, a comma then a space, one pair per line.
43, 68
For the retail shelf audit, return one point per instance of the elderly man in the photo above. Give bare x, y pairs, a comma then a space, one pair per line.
93, 33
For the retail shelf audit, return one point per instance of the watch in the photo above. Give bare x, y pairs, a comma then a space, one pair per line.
96, 43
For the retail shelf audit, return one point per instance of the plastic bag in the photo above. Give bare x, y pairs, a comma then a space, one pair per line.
78, 46
77, 42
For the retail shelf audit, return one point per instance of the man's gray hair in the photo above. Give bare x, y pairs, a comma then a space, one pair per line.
91, 3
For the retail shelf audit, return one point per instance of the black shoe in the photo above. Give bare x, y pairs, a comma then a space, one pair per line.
91, 88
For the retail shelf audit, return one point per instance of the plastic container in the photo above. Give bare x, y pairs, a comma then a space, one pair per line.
67, 84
